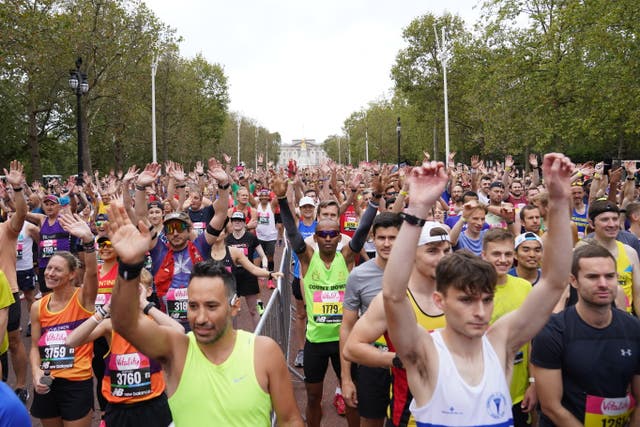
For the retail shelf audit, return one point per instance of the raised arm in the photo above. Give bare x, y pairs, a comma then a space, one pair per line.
298, 245
524, 323
131, 244
219, 219
144, 180
14, 178
77, 227
426, 183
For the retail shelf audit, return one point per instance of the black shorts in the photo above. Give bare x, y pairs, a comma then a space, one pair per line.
316, 360
69, 400
372, 385
152, 413
244, 289
295, 288
41, 283
269, 247
15, 311
26, 280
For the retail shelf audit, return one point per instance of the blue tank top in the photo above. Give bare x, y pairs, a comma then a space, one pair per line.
306, 231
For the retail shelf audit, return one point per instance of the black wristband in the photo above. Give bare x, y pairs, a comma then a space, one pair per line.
148, 307
224, 187
413, 220
89, 246
19, 189
213, 231
141, 187
181, 186
130, 271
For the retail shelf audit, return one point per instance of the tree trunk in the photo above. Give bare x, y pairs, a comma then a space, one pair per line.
32, 141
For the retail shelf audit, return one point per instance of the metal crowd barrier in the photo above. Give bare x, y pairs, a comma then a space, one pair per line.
276, 319
275, 322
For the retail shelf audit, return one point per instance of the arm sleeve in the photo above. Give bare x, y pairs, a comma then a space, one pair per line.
297, 242
360, 236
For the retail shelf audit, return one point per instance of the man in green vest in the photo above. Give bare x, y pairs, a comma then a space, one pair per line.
324, 272
215, 375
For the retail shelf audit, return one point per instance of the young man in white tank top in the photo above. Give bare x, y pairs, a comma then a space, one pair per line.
475, 361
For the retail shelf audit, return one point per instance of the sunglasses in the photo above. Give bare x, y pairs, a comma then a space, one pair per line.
100, 223
323, 234
176, 226
105, 244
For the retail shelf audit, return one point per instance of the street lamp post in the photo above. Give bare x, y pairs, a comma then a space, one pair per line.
398, 129
444, 55
78, 82
239, 121
154, 68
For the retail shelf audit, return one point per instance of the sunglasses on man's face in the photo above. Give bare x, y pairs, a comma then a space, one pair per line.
100, 223
105, 244
173, 227
323, 234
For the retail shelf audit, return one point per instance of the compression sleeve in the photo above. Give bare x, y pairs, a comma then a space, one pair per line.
360, 236
297, 242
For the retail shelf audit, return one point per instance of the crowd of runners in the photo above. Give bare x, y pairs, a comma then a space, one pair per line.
459, 295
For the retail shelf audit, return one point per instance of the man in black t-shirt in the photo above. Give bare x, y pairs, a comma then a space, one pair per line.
587, 357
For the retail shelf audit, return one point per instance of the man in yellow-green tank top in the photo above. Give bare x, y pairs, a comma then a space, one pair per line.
214, 374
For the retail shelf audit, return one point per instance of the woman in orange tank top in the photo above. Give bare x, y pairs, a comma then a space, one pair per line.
131, 377
62, 375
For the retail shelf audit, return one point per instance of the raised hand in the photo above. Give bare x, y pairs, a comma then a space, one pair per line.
227, 158
129, 242
557, 169
279, 185
475, 162
426, 184
177, 172
533, 160
76, 226
148, 175
15, 174
219, 175
199, 169
508, 162
131, 174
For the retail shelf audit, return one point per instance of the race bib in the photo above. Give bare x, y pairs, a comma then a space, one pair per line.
19, 246
54, 353
263, 218
48, 247
199, 227
177, 302
350, 223
130, 375
102, 300
327, 306
608, 411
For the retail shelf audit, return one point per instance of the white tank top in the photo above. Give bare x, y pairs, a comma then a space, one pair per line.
266, 229
24, 250
455, 403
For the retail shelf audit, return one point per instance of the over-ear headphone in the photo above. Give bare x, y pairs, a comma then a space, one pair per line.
233, 300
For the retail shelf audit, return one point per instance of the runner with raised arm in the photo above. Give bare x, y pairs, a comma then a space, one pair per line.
459, 376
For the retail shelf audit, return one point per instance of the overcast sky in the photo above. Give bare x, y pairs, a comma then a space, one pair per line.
301, 67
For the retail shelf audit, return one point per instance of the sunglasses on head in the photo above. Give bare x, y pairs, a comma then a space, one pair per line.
104, 244
323, 234
172, 227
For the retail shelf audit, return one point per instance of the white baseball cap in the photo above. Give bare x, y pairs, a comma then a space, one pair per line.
427, 237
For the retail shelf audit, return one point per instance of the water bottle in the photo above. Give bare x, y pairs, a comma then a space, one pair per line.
47, 380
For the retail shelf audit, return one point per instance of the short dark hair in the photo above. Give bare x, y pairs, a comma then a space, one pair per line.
466, 272
326, 203
589, 250
386, 220
527, 208
497, 235
470, 194
212, 268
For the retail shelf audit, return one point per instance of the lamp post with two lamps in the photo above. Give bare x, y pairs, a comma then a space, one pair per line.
78, 82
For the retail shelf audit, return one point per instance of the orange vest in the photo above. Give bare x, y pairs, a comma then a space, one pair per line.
129, 375
65, 362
